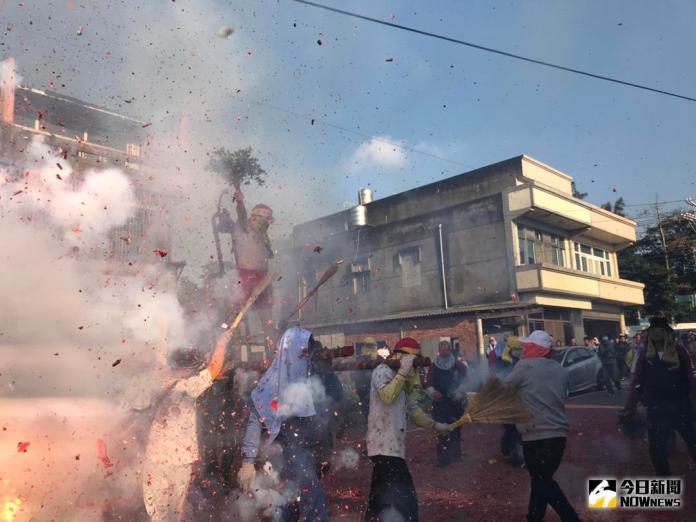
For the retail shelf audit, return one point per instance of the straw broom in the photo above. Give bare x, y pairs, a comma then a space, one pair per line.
495, 403
330, 272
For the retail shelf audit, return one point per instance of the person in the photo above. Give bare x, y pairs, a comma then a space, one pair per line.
633, 355
393, 397
444, 385
283, 408
511, 441
327, 392
621, 349
559, 344
608, 359
691, 344
492, 343
665, 382
587, 342
492, 357
595, 342
361, 378
573, 342
542, 385
172, 444
252, 251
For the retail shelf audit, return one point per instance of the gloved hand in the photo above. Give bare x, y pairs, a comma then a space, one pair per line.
441, 427
406, 361
246, 476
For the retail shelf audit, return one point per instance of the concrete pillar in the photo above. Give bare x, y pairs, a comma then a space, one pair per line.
622, 323
8, 82
479, 338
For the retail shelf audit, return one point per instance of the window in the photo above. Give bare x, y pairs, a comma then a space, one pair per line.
133, 150
360, 272
592, 260
409, 260
537, 246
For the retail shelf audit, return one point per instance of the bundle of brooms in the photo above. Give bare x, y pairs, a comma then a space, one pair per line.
495, 403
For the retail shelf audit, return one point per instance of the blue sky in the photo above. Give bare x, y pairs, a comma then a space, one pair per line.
470, 107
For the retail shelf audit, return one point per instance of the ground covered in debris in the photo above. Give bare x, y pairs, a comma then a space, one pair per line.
482, 487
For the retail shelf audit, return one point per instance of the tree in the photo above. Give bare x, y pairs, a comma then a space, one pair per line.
618, 208
237, 168
576, 192
666, 270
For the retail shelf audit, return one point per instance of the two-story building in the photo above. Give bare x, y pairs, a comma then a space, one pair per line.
502, 249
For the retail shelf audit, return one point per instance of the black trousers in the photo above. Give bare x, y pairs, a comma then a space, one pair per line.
449, 447
662, 419
610, 373
392, 493
542, 458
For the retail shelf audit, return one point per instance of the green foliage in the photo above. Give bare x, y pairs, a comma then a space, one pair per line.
618, 207
646, 262
237, 168
576, 192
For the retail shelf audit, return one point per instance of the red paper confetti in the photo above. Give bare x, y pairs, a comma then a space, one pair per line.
58, 176
319, 42
274, 404
101, 454
318, 249
22, 446
116, 363
161, 252
145, 125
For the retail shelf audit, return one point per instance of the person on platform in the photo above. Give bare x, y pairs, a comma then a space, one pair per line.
361, 378
283, 412
172, 444
665, 382
609, 370
393, 398
252, 251
542, 384
444, 385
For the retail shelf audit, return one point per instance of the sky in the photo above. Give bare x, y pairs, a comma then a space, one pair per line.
326, 119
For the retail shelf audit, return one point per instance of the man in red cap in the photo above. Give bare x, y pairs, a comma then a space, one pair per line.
252, 250
393, 397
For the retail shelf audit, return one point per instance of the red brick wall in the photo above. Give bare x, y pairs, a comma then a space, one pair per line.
456, 326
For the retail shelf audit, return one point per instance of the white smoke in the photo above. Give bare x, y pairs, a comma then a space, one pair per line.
346, 458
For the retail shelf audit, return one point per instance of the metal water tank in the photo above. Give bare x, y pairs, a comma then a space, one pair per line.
364, 196
358, 216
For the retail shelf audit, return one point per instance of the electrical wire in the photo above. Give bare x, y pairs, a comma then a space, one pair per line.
495, 51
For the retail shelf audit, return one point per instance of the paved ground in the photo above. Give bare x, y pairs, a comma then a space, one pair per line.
482, 487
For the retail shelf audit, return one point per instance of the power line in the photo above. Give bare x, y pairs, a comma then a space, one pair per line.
495, 51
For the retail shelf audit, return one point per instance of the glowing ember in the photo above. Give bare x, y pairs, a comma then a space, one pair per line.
9, 508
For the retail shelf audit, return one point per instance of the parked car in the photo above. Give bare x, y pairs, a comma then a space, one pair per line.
584, 367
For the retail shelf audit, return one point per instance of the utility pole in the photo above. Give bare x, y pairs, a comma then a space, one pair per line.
662, 236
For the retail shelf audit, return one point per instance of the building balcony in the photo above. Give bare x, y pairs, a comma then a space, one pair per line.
542, 279
570, 214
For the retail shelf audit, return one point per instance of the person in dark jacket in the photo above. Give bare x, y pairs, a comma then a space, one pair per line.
327, 391
621, 349
665, 382
445, 386
609, 368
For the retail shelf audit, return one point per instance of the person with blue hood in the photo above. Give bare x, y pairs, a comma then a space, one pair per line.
283, 411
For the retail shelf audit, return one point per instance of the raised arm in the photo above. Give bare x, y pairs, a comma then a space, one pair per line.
241, 209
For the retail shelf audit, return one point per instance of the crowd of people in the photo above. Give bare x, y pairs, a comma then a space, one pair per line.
287, 438
288, 434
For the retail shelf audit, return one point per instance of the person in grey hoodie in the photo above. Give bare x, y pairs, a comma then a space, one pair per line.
542, 384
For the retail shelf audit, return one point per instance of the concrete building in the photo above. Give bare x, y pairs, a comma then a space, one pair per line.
88, 136
499, 250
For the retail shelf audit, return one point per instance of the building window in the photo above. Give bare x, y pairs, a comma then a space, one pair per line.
592, 260
133, 150
537, 246
409, 260
360, 273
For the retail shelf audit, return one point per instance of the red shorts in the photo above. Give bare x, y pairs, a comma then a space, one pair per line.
250, 279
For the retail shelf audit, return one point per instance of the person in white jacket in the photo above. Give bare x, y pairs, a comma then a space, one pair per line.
172, 445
